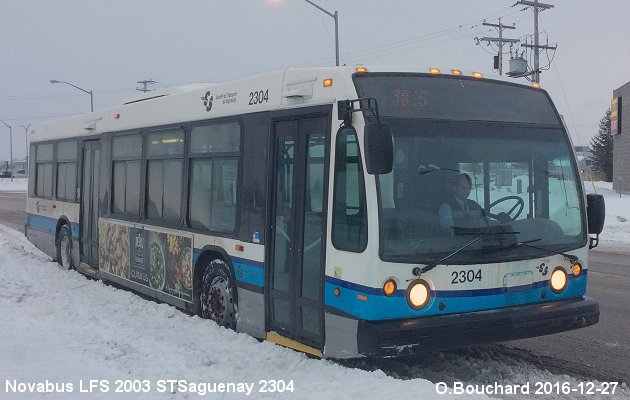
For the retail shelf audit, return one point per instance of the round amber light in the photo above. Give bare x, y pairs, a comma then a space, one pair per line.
576, 269
418, 294
558, 280
389, 287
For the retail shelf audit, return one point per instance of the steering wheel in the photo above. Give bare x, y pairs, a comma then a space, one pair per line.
520, 204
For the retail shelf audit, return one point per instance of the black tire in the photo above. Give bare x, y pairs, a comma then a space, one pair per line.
64, 248
218, 294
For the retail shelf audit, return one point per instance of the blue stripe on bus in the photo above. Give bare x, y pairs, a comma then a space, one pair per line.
380, 307
247, 271
49, 225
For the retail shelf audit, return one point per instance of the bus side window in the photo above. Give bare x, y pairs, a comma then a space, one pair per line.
66, 170
44, 170
349, 208
214, 165
126, 156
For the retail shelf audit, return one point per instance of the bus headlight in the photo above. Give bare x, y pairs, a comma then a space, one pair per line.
558, 280
418, 294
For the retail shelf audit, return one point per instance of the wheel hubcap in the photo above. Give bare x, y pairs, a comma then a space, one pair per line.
217, 301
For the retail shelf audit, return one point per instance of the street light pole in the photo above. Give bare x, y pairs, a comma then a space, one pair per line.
83, 90
10, 148
26, 127
334, 16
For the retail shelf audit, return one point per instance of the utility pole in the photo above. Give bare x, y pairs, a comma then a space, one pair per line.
145, 83
536, 46
26, 128
500, 41
10, 147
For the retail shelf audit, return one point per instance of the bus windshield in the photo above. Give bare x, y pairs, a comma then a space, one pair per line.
488, 191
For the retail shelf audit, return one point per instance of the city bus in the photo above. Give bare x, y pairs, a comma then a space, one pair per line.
306, 207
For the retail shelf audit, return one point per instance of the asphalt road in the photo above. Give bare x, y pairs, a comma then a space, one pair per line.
599, 352
12, 207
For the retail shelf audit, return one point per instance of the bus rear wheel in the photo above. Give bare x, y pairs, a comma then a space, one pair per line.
64, 248
218, 294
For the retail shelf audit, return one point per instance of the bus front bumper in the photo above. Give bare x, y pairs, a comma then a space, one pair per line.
411, 336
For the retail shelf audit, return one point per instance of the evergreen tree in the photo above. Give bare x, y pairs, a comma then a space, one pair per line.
602, 148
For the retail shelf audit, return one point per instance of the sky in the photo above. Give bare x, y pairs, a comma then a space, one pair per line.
108, 46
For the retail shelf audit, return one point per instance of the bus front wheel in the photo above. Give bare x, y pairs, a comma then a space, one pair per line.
64, 248
218, 294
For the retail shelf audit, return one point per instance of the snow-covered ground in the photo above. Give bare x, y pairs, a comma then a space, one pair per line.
61, 328
617, 226
18, 185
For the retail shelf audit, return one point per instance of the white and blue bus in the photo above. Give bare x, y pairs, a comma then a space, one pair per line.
318, 208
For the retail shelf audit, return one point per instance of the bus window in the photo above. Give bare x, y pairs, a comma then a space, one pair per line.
43, 172
126, 153
564, 206
349, 209
67, 171
165, 150
214, 152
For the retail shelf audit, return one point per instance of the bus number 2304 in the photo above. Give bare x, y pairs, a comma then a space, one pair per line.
259, 97
465, 276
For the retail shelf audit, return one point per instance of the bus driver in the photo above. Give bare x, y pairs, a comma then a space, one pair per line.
458, 210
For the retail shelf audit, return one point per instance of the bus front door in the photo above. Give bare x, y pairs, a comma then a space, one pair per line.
296, 254
90, 182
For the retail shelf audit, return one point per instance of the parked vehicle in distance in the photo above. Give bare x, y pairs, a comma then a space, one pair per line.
5, 174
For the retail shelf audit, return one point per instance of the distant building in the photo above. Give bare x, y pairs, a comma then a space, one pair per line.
620, 128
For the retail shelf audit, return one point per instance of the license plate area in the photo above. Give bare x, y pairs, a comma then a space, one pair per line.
517, 282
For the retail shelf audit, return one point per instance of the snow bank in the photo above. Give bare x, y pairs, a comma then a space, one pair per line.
617, 225
18, 185
62, 327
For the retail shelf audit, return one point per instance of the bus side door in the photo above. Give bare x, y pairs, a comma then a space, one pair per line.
296, 252
90, 182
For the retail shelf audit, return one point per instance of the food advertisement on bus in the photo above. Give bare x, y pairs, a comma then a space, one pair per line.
161, 261
113, 249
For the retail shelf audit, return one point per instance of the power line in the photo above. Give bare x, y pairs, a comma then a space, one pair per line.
535, 5
402, 46
43, 97
500, 41
41, 117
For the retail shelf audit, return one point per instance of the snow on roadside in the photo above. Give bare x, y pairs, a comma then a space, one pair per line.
617, 225
18, 184
62, 327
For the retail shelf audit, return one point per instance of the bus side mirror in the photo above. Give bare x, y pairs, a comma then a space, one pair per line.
596, 213
379, 148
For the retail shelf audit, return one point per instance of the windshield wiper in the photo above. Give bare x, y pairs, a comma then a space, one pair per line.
425, 169
514, 245
571, 257
432, 265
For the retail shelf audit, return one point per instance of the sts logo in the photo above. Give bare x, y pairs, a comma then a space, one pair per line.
207, 101
543, 269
